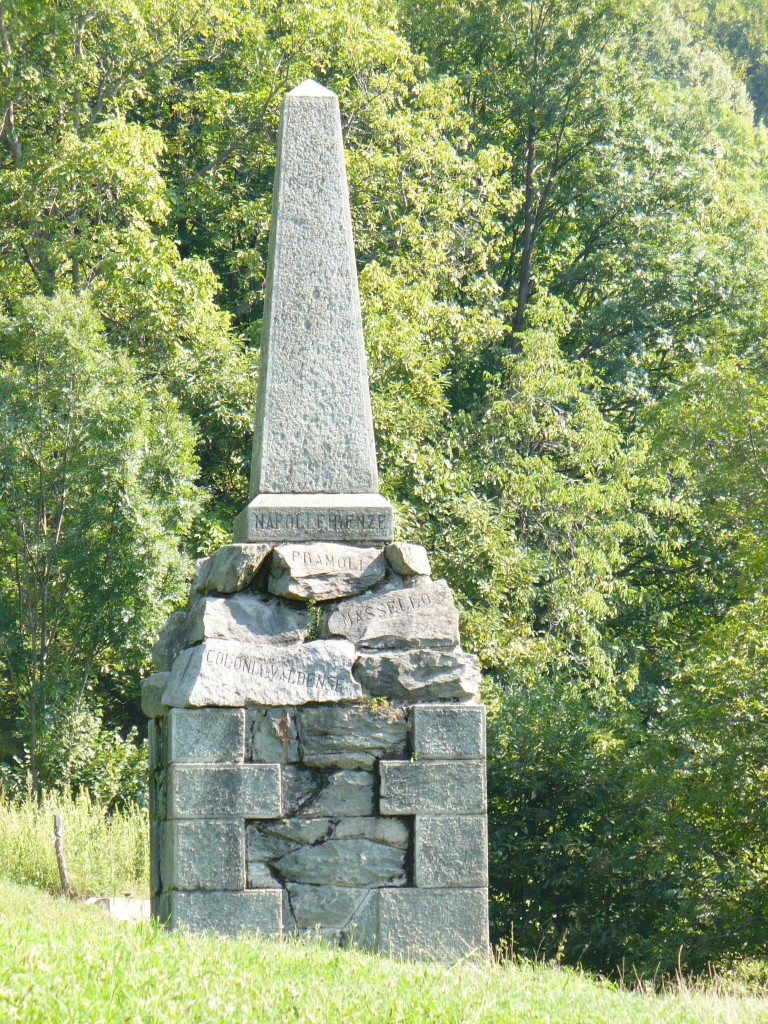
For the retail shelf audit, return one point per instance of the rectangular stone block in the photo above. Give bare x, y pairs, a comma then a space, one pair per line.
279, 518
206, 735
217, 791
447, 731
228, 913
433, 924
432, 787
203, 854
451, 851
155, 739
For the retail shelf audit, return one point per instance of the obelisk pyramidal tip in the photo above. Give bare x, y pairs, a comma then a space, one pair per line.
313, 474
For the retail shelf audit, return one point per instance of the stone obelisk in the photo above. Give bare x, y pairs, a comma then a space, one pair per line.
317, 746
313, 471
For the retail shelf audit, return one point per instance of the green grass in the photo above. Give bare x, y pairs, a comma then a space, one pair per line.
65, 962
105, 854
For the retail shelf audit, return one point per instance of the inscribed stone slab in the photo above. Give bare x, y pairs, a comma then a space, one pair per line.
409, 615
364, 518
323, 572
224, 673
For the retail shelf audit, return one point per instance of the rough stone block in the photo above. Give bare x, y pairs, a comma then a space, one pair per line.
343, 862
228, 913
351, 737
416, 613
391, 831
418, 675
324, 572
214, 791
432, 787
170, 642
152, 689
203, 854
345, 794
451, 851
300, 785
248, 618
224, 673
448, 731
433, 924
409, 559
272, 736
229, 569
206, 735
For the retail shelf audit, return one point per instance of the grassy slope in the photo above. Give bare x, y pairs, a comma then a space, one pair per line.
64, 962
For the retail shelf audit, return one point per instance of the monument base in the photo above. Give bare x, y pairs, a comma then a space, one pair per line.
350, 518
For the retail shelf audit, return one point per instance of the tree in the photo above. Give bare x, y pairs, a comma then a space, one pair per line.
96, 486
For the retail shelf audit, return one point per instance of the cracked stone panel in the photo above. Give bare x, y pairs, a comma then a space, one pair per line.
351, 737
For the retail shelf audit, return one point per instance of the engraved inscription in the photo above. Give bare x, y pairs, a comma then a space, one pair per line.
271, 671
396, 605
308, 519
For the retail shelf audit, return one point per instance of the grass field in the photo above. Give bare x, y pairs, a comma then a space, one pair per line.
64, 962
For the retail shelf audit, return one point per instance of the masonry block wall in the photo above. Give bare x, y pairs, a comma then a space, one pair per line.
359, 818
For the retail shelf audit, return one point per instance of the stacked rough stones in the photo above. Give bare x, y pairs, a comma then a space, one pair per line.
318, 753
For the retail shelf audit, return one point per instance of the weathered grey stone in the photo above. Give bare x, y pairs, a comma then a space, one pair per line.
203, 855
152, 690
325, 906
414, 614
161, 906
351, 737
248, 618
314, 432
364, 518
229, 569
208, 791
206, 735
409, 559
258, 910
323, 572
390, 831
227, 674
272, 737
171, 640
296, 831
344, 862
300, 785
261, 850
418, 675
447, 731
432, 787
345, 794
433, 924
451, 851
155, 739
155, 854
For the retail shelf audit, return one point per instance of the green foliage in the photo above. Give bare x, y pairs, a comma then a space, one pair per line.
106, 852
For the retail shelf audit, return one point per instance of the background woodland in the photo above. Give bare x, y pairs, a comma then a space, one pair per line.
561, 217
